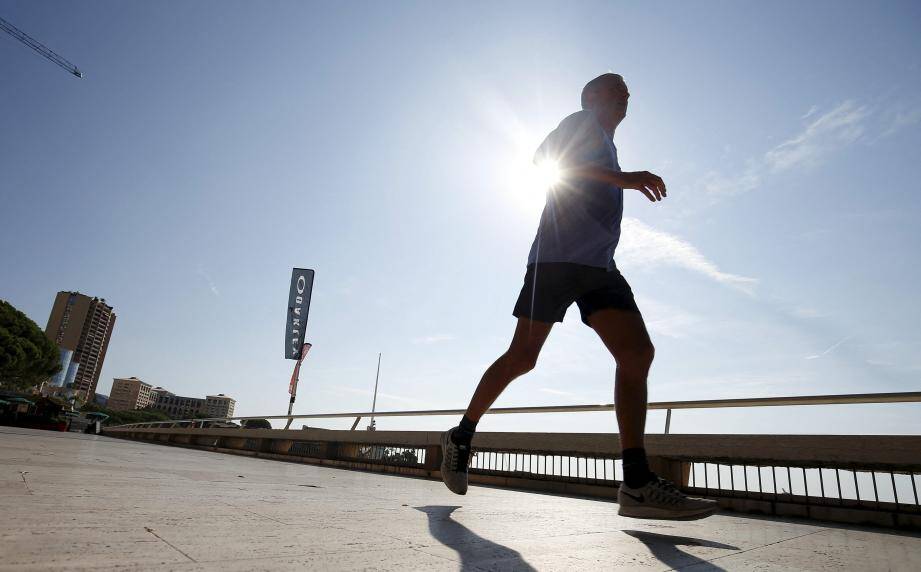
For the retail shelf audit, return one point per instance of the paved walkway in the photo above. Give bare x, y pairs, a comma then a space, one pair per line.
78, 502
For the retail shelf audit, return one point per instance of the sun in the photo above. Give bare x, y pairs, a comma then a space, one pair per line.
530, 182
547, 173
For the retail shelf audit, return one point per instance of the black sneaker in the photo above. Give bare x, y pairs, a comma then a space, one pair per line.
660, 499
454, 461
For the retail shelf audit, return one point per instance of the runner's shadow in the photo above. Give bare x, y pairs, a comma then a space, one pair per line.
665, 548
468, 544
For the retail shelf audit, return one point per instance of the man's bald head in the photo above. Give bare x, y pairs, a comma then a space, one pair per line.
600, 89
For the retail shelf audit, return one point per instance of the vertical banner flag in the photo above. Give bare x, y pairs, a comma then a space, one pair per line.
292, 387
298, 306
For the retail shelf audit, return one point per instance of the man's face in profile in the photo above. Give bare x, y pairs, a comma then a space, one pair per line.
613, 99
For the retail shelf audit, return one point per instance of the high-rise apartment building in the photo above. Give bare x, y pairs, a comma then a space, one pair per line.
82, 325
219, 405
128, 394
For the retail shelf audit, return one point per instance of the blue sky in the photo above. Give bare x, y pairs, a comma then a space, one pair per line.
213, 146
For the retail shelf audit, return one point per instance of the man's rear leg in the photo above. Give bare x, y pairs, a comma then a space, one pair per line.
518, 360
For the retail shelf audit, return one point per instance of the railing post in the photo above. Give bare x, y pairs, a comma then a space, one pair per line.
332, 450
668, 420
673, 470
433, 457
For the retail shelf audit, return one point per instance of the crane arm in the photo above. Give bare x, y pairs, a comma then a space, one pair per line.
39, 47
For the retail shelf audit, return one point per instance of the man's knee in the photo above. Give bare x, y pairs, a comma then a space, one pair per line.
638, 356
521, 361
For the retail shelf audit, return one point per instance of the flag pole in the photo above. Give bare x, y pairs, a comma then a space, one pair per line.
292, 387
374, 402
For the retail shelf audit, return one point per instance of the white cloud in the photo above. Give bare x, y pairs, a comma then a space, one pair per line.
826, 133
716, 183
830, 349
434, 339
811, 112
839, 127
567, 395
643, 246
207, 277
899, 120
806, 312
370, 393
552, 391
665, 319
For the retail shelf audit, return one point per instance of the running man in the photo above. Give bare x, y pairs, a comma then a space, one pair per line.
572, 260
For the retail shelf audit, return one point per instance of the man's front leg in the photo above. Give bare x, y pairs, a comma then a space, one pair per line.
624, 334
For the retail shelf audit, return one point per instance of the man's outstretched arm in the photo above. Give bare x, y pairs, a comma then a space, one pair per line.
647, 183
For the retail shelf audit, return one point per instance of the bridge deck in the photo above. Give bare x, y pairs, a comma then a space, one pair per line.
74, 502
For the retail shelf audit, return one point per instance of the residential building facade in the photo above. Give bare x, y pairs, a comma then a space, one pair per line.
177, 406
219, 405
82, 325
155, 394
128, 394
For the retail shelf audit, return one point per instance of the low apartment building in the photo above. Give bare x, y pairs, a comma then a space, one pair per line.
179, 407
219, 405
128, 394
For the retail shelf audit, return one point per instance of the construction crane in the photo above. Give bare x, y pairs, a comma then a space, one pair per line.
39, 47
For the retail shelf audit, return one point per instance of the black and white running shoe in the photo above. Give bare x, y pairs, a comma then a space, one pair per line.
660, 499
454, 461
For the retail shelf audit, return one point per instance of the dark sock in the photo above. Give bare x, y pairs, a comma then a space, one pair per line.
636, 468
464, 433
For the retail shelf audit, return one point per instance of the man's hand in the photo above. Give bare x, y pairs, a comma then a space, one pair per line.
645, 182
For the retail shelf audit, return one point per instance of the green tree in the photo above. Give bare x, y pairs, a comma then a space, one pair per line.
27, 357
256, 424
124, 417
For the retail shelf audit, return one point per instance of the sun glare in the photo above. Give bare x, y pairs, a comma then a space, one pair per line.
530, 182
547, 174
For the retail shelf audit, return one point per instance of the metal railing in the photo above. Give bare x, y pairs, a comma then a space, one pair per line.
668, 406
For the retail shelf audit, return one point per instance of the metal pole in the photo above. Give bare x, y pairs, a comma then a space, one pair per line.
292, 389
668, 420
374, 402
290, 408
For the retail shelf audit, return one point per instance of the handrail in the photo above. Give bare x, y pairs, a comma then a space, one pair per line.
853, 398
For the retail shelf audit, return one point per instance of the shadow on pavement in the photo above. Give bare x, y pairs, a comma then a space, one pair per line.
665, 548
468, 544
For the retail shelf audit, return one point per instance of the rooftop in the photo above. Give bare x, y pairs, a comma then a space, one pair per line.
86, 502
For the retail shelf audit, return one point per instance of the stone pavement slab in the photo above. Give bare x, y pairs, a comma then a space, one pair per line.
81, 502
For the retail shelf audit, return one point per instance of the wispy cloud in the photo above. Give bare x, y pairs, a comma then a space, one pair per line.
380, 394
899, 119
433, 339
643, 246
810, 113
552, 391
824, 134
567, 395
207, 277
667, 320
830, 131
715, 183
830, 348
806, 312
732, 385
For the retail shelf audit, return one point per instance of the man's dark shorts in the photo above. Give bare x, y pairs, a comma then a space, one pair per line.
551, 287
